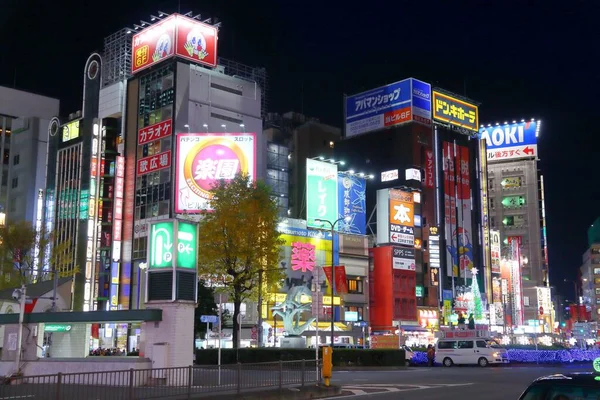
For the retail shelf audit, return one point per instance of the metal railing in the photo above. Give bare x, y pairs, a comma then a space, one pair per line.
181, 383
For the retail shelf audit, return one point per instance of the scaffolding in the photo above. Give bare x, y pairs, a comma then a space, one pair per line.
256, 74
117, 57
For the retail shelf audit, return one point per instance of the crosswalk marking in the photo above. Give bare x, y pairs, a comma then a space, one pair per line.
357, 390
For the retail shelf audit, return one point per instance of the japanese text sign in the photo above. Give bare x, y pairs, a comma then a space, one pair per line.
303, 256
118, 206
352, 204
174, 35
204, 159
321, 193
401, 217
403, 258
511, 141
429, 169
455, 112
154, 163
155, 132
173, 244
495, 249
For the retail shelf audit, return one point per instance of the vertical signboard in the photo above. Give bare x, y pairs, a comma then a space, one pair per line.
457, 205
403, 258
429, 169
401, 217
118, 208
421, 102
321, 193
511, 141
203, 159
495, 251
434, 247
352, 204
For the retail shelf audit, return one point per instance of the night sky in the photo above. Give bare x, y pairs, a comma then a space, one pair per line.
533, 61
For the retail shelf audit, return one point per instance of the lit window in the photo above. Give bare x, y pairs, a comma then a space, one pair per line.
355, 286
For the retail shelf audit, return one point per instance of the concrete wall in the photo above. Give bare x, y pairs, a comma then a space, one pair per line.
71, 344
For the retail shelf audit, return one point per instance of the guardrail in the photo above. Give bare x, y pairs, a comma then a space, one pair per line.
182, 382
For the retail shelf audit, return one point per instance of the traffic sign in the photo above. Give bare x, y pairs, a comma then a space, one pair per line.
187, 245
172, 241
209, 318
161, 245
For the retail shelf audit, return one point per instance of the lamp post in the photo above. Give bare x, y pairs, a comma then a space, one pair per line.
332, 225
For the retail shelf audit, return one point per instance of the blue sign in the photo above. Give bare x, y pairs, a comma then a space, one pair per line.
447, 295
417, 220
386, 106
212, 319
352, 204
511, 141
421, 102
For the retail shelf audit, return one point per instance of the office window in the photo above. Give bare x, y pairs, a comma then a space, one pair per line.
4, 178
355, 285
15, 182
16, 160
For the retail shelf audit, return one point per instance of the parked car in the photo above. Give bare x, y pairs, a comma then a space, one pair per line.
583, 385
408, 354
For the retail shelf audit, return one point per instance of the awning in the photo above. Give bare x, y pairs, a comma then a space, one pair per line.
414, 328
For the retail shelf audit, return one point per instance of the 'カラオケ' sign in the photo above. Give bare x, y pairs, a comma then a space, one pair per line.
206, 158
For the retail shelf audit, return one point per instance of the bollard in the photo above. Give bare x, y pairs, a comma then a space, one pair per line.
327, 364
131, 383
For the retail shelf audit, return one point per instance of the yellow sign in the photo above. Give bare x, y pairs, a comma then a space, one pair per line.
277, 298
70, 131
455, 112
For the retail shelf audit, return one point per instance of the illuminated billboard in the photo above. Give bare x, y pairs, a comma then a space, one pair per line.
352, 204
205, 158
70, 131
386, 106
175, 35
395, 217
511, 141
321, 193
455, 112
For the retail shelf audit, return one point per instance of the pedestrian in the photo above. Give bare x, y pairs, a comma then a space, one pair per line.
430, 355
471, 322
461, 321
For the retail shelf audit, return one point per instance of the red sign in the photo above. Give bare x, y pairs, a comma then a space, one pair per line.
341, 284
385, 342
429, 169
303, 256
118, 208
175, 35
153, 44
196, 41
154, 132
154, 163
541, 310
396, 117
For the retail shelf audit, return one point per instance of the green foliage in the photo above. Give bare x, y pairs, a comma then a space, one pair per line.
341, 357
18, 258
239, 239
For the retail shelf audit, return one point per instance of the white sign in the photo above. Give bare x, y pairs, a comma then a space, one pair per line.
403, 263
413, 174
12, 341
434, 251
391, 175
402, 238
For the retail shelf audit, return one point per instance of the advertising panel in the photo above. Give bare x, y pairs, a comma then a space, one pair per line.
378, 108
421, 101
434, 251
511, 141
429, 169
196, 41
155, 132
457, 206
176, 34
401, 217
171, 244
412, 174
391, 175
70, 131
495, 251
205, 158
511, 182
352, 204
455, 112
153, 163
403, 258
544, 301
341, 283
321, 193
153, 44
118, 207
485, 227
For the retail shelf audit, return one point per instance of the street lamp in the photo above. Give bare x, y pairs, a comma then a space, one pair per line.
332, 225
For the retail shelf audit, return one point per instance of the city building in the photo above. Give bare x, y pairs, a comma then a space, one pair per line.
426, 165
517, 215
24, 119
291, 139
590, 272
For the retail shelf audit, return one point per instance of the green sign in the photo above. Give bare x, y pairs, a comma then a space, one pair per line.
321, 193
513, 201
57, 328
597, 364
161, 245
419, 291
187, 245
166, 237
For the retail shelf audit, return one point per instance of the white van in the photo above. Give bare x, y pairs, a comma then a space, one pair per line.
480, 351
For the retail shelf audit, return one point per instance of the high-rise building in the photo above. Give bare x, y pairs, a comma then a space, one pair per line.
24, 119
590, 272
517, 213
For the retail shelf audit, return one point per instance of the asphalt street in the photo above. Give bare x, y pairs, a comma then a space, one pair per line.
502, 382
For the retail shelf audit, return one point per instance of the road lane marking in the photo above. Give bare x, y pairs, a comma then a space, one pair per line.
382, 388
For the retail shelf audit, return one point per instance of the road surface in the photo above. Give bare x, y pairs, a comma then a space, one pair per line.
503, 382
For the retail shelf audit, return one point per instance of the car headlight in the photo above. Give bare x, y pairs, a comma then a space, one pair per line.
496, 354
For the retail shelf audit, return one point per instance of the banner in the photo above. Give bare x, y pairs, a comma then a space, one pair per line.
321, 193
457, 210
429, 169
352, 204
495, 251
341, 282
